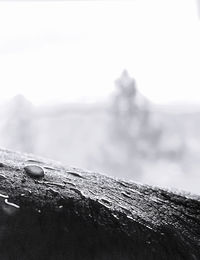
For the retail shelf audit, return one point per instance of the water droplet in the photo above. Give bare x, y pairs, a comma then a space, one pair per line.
33, 161
115, 216
126, 195
129, 217
4, 196
34, 171
106, 201
54, 184
10, 208
75, 174
59, 208
54, 192
11, 204
49, 168
69, 183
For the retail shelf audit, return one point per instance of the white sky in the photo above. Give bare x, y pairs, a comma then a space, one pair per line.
75, 50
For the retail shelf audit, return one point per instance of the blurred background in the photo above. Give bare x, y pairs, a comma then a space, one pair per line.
112, 87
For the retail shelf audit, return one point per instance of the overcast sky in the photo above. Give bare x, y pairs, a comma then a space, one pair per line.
69, 51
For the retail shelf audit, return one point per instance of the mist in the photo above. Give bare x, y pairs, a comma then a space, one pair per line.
118, 95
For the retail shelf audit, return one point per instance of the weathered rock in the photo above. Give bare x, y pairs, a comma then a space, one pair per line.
73, 214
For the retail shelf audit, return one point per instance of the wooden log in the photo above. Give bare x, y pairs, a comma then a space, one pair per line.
50, 211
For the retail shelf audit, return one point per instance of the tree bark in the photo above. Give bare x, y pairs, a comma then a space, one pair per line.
68, 213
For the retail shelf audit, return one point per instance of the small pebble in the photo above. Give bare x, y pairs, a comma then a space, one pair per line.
34, 171
2, 165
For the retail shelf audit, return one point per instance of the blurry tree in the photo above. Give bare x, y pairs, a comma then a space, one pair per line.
136, 133
18, 130
133, 122
133, 132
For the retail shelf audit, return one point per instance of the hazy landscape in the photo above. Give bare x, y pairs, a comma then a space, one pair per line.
126, 136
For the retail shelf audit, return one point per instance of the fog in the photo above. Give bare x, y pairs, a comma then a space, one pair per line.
126, 136
118, 95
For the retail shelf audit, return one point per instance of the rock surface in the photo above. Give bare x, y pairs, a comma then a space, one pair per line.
73, 214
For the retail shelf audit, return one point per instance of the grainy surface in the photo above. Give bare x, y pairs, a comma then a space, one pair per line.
73, 214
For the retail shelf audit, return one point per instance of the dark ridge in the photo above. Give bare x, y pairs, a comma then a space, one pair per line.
91, 218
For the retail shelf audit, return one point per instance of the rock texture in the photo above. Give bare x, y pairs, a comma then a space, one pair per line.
68, 213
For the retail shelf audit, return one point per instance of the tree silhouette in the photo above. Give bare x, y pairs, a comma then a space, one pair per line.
132, 118
133, 134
